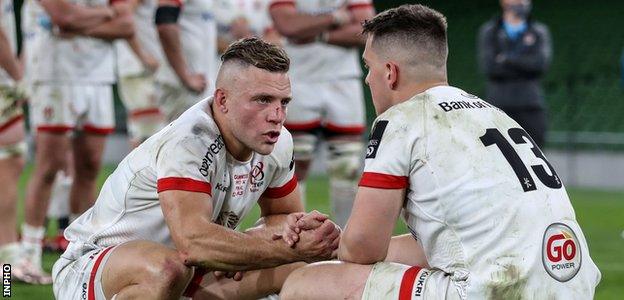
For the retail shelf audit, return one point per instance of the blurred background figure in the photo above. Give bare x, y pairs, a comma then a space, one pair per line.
138, 59
12, 144
322, 41
188, 37
514, 52
244, 18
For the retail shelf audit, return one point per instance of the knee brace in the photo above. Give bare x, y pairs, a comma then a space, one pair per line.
303, 145
345, 161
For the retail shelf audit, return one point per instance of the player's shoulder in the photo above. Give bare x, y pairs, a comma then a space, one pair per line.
194, 128
282, 153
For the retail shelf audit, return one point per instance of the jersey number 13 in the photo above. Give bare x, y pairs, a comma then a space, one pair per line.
519, 136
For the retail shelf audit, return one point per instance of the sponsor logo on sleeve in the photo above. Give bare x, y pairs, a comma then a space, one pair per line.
375, 138
561, 252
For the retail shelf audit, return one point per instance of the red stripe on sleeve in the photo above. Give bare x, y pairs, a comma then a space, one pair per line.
282, 191
98, 261
280, 3
383, 181
359, 5
183, 184
407, 283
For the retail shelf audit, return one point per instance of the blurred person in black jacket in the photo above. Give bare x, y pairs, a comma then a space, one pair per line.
514, 52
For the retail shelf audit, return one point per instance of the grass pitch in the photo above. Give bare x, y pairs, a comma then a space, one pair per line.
600, 213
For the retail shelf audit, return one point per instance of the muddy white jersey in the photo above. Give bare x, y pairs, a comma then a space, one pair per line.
127, 61
198, 38
319, 61
256, 13
481, 198
77, 60
7, 25
35, 25
190, 155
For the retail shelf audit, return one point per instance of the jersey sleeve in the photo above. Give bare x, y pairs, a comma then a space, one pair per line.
355, 4
388, 156
284, 180
182, 165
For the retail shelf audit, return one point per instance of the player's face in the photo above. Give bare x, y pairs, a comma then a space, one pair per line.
377, 78
259, 109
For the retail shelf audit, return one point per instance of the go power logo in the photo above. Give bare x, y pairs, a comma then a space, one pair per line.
561, 252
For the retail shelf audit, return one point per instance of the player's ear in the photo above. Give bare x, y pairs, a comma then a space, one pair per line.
392, 75
220, 100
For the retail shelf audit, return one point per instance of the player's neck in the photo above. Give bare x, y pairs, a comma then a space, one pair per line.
511, 18
416, 88
233, 146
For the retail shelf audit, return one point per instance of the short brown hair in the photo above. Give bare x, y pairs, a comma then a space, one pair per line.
258, 53
411, 25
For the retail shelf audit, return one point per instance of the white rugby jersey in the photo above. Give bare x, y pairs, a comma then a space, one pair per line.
320, 61
256, 13
198, 36
485, 204
36, 25
7, 25
77, 60
189, 154
127, 62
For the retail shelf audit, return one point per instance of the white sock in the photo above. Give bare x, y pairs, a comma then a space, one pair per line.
9, 253
341, 194
31, 242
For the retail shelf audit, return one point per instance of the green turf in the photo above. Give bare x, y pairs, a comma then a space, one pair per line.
600, 213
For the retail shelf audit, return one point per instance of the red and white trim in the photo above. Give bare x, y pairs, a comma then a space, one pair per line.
355, 6
303, 126
55, 128
407, 283
11, 122
340, 129
96, 266
383, 181
183, 184
98, 130
138, 113
283, 191
276, 3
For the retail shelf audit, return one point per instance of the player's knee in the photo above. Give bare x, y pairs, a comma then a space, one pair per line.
88, 169
169, 271
345, 159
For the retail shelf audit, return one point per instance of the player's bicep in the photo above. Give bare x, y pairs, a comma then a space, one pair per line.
369, 229
183, 210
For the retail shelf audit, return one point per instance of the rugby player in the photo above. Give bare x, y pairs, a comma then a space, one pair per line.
166, 215
322, 40
490, 217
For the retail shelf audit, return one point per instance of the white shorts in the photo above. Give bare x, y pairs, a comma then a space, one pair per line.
80, 278
11, 109
138, 95
334, 106
403, 282
174, 100
63, 107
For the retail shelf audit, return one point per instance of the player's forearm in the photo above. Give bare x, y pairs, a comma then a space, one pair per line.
302, 26
172, 47
347, 36
218, 248
8, 61
267, 226
360, 248
118, 28
70, 17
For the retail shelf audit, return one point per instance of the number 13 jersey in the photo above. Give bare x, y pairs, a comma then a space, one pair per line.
481, 198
